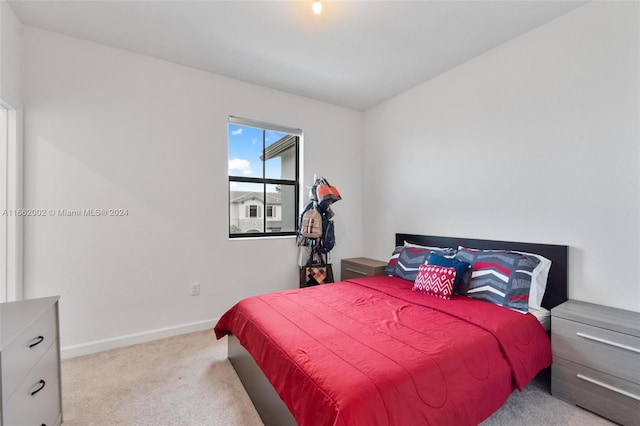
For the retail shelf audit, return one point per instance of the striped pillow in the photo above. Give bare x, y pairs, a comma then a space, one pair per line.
500, 277
391, 266
410, 259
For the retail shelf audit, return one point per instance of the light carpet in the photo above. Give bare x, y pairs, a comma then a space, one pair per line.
188, 380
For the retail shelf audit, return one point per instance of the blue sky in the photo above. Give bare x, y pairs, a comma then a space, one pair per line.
245, 149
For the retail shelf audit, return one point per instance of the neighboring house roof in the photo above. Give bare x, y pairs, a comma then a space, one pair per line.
278, 147
242, 196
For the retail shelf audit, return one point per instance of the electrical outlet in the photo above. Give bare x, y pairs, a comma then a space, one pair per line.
195, 289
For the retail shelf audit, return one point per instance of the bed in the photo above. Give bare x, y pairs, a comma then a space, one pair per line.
372, 351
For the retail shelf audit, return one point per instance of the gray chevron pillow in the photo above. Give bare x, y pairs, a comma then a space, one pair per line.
410, 259
499, 277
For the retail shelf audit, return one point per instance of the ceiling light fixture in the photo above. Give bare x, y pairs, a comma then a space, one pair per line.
317, 7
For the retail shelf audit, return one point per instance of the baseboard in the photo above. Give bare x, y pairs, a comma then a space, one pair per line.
132, 339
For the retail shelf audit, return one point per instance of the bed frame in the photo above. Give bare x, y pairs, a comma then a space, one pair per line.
274, 412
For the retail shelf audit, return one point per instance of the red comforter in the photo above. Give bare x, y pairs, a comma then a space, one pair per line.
372, 352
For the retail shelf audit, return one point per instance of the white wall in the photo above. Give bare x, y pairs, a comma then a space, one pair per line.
10, 51
106, 128
537, 140
11, 160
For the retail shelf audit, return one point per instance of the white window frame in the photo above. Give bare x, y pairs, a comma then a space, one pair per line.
11, 224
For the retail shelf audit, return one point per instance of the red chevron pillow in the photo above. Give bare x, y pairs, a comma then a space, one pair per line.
435, 280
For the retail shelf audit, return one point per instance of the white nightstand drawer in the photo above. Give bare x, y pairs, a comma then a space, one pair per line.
37, 399
608, 351
19, 357
611, 397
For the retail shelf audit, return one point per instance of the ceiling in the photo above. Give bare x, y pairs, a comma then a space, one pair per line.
355, 54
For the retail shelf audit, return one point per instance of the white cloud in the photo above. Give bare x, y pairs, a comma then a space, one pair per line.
240, 165
254, 140
236, 132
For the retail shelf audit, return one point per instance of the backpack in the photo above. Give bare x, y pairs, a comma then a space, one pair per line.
311, 224
328, 241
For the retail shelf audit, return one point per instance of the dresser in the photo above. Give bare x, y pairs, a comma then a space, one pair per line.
358, 267
596, 359
30, 363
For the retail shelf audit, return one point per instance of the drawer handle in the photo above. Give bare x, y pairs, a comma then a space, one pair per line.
355, 271
41, 383
604, 385
609, 342
37, 341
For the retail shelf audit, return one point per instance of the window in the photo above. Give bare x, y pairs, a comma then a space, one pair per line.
254, 211
263, 178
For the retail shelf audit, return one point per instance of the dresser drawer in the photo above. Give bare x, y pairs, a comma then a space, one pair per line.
359, 267
20, 356
607, 351
43, 407
611, 397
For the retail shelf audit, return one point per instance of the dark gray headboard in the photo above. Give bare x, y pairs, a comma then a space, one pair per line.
557, 282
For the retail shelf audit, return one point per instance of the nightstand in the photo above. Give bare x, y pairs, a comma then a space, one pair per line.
358, 267
30, 363
596, 359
